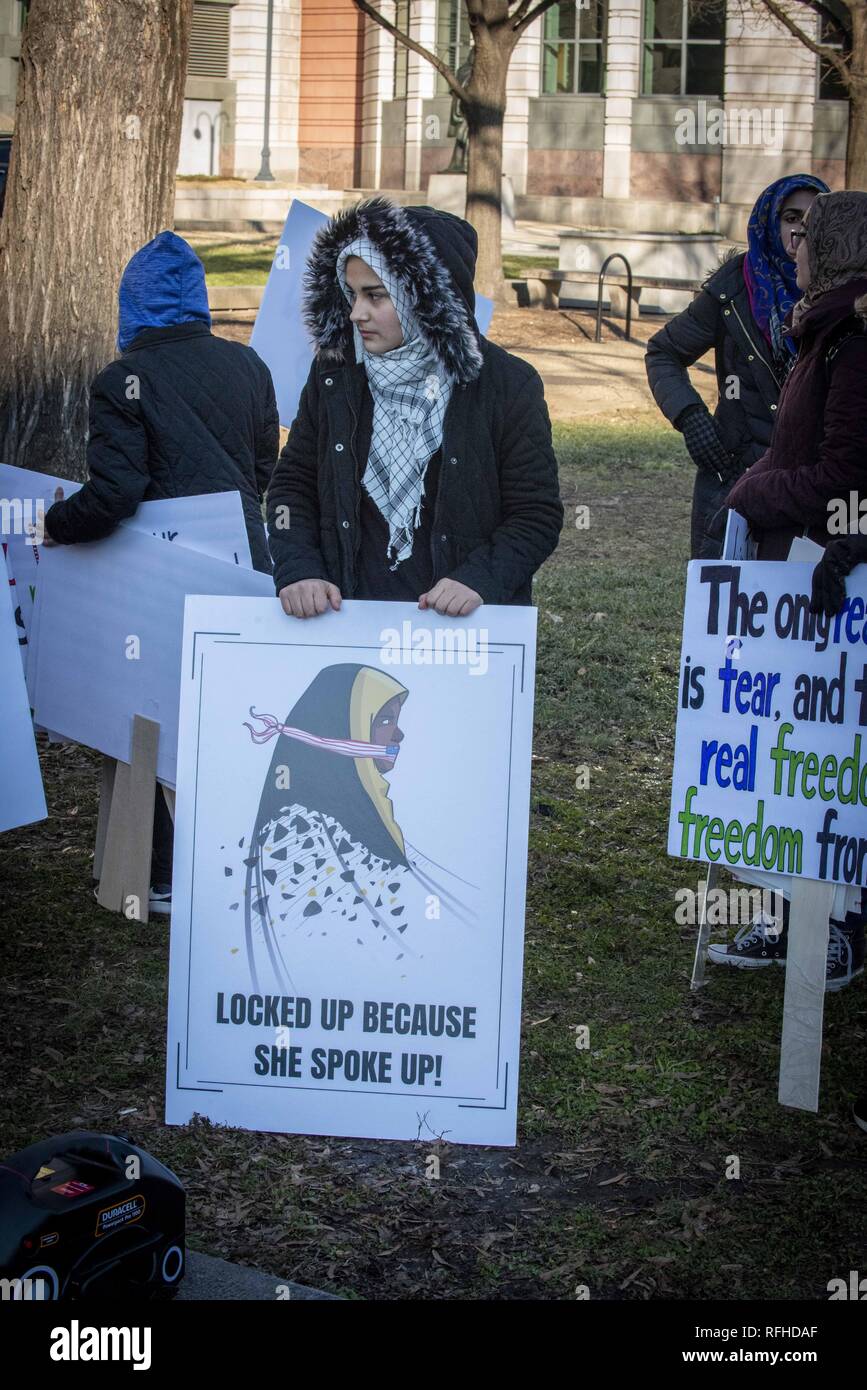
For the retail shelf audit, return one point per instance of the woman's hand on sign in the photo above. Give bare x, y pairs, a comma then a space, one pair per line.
33, 532
451, 599
308, 597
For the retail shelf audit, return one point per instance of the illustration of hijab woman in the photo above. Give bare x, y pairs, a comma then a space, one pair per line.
326, 844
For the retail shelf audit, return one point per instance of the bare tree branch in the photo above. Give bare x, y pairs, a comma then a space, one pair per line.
530, 18
829, 55
820, 9
443, 68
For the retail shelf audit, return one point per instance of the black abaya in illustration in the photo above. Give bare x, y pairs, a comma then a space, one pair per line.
327, 853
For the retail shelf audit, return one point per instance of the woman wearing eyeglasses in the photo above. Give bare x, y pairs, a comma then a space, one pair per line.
739, 315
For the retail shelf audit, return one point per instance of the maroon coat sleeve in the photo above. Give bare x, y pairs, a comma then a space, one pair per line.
771, 495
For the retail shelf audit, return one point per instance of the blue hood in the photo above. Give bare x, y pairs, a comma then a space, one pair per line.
163, 284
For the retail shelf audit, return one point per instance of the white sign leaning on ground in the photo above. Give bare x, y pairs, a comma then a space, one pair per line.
22, 798
770, 763
111, 616
350, 870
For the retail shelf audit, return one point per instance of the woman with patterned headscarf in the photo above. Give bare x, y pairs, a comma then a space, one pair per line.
420, 465
740, 315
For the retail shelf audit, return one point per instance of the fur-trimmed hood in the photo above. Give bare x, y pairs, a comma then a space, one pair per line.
433, 253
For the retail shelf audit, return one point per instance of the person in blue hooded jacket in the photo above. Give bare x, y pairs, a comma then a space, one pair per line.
179, 413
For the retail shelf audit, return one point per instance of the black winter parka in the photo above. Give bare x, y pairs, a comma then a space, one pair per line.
719, 319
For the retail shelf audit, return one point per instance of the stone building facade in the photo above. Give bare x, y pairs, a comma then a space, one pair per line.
620, 112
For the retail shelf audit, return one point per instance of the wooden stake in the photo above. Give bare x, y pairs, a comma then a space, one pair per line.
106, 788
804, 1000
703, 931
124, 884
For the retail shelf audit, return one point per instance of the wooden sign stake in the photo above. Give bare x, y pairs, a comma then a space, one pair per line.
127, 835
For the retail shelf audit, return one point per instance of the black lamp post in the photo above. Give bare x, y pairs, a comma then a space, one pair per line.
264, 174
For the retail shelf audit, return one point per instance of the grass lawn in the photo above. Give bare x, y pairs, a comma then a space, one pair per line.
618, 1180
248, 263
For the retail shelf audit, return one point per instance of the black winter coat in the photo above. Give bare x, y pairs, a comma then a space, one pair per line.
718, 319
182, 412
497, 512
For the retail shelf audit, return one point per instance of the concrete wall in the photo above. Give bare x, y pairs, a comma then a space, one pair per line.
330, 119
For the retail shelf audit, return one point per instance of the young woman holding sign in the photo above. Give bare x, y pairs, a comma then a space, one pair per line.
419, 466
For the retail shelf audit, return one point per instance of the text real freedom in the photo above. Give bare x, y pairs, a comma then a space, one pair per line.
289, 1011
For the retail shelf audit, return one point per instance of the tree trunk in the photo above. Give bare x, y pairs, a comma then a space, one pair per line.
485, 115
856, 144
92, 178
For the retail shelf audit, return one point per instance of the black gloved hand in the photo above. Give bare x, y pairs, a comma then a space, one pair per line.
829, 577
716, 527
704, 443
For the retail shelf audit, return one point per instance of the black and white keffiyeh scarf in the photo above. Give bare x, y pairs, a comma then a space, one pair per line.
411, 390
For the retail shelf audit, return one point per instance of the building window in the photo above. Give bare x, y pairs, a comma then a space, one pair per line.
209, 41
834, 33
684, 48
573, 58
453, 38
401, 52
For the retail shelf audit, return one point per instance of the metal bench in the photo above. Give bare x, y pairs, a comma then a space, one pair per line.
544, 285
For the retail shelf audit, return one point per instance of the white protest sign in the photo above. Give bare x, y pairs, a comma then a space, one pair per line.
350, 870
738, 543
22, 798
770, 763
212, 523
25, 497
279, 334
111, 617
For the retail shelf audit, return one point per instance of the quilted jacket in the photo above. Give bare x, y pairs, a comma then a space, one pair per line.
497, 512
181, 412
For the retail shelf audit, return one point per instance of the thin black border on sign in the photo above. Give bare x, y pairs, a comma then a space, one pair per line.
217, 1091
466, 1105
226, 639
205, 633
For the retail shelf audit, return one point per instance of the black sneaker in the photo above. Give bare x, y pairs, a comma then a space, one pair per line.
859, 1112
761, 942
160, 899
845, 954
